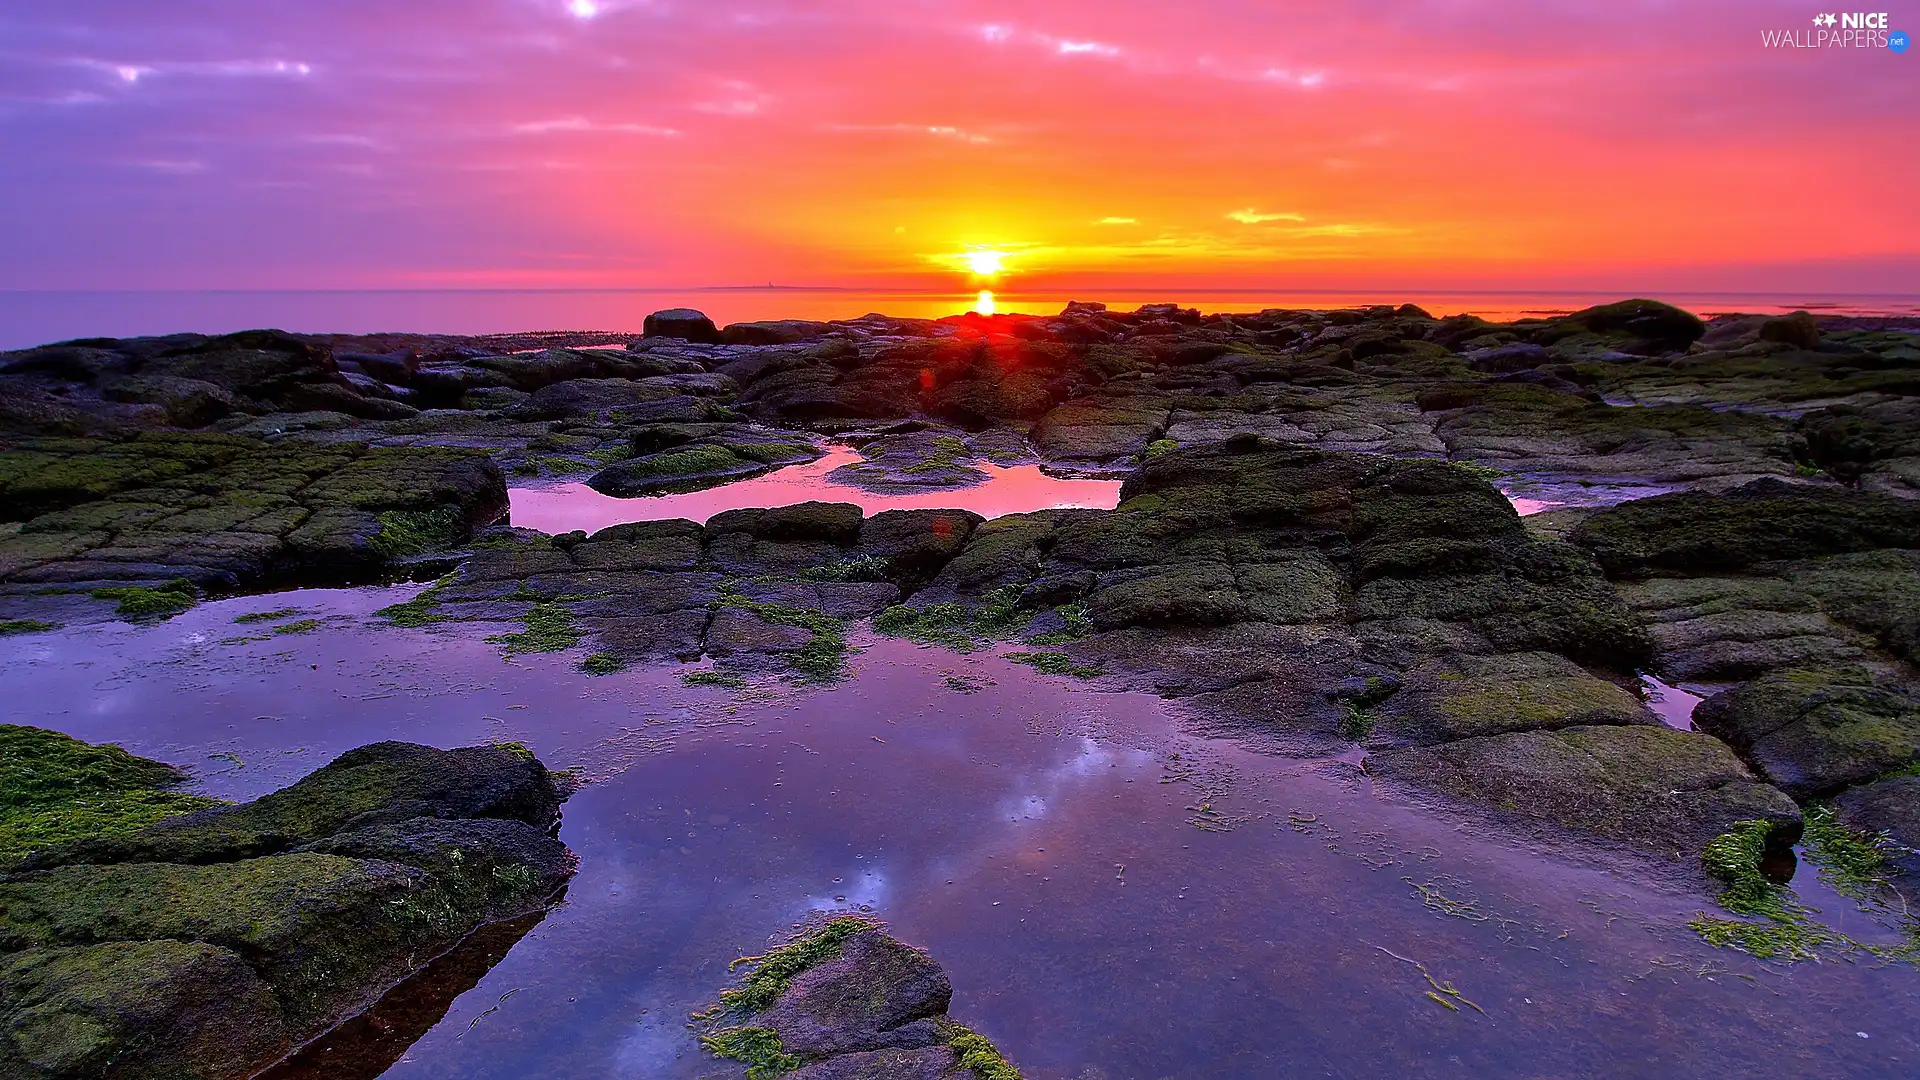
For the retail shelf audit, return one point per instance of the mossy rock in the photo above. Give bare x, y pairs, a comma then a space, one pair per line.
1652, 788
844, 1000
208, 945
1814, 732
1763, 521
54, 789
378, 784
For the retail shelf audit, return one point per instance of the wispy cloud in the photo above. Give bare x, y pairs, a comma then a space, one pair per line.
581, 125
1250, 216
133, 72
1003, 33
1118, 221
939, 131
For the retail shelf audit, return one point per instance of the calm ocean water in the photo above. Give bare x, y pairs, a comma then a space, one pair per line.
34, 318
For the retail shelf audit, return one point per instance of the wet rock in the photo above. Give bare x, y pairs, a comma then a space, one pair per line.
1474, 696
1813, 732
1652, 788
684, 323
189, 403
1764, 520
774, 332
585, 397
846, 1001
235, 509
699, 465
1647, 320
137, 1009
1798, 329
209, 944
1890, 807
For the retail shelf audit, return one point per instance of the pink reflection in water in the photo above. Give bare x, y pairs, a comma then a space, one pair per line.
1016, 489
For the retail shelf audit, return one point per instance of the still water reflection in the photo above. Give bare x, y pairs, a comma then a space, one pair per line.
1114, 898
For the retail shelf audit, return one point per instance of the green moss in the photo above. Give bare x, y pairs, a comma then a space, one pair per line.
549, 628
25, 626
1078, 620
1056, 663
823, 657
978, 1054
54, 788
1479, 471
686, 462
152, 601
1853, 863
516, 748
1356, 721
998, 616
769, 975
759, 1048
1794, 940
267, 616
603, 664
419, 611
1160, 448
1733, 858
411, 532
304, 626
948, 452
856, 568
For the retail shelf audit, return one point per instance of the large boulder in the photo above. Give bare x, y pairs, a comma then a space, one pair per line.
1813, 732
684, 323
209, 944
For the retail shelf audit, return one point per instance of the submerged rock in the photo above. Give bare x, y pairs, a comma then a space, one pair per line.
210, 944
846, 1001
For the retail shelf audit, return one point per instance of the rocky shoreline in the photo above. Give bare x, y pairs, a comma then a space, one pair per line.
1312, 551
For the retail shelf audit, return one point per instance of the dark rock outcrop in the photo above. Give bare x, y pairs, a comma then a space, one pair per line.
209, 945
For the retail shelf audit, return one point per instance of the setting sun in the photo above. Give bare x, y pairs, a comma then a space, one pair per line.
986, 263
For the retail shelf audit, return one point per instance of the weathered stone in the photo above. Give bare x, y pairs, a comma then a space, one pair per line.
1813, 732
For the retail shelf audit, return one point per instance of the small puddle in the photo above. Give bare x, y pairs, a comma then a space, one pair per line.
1535, 495
1010, 489
1673, 705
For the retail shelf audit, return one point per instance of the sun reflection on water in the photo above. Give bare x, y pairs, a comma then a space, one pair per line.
984, 302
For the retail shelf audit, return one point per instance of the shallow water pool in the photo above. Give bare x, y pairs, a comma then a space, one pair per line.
1113, 897
1007, 489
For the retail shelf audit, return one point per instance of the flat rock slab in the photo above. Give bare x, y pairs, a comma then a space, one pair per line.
1662, 791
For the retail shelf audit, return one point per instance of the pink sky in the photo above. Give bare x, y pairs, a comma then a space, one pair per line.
1446, 143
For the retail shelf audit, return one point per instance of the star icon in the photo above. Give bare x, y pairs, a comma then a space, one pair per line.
1831, 20
1819, 20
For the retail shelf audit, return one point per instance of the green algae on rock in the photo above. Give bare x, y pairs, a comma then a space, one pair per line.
54, 789
843, 1000
210, 944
